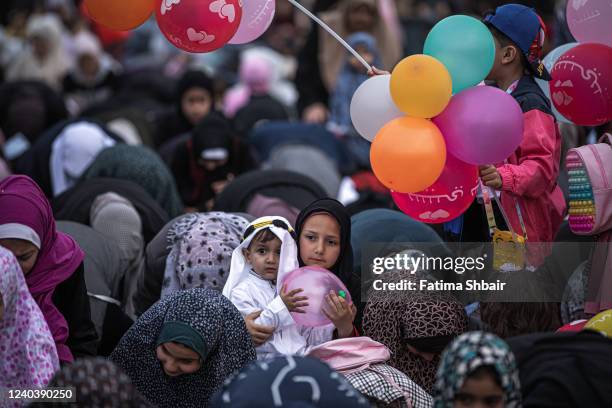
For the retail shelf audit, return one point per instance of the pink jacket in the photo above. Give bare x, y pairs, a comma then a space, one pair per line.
529, 178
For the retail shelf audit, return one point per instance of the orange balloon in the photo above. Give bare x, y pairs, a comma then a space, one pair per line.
120, 15
408, 154
421, 86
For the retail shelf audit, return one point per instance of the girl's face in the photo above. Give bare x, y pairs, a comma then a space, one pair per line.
320, 241
365, 54
481, 392
25, 252
89, 65
196, 103
177, 359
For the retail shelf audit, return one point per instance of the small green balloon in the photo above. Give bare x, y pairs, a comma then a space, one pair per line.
465, 46
342, 294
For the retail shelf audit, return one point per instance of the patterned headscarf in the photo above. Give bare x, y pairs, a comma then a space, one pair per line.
466, 354
201, 250
224, 335
99, 383
27, 349
288, 382
398, 319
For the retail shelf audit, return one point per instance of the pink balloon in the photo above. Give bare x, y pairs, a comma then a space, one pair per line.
481, 125
316, 283
257, 15
589, 20
199, 25
446, 199
581, 86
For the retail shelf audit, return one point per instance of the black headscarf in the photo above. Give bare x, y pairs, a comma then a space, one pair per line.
213, 132
343, 267
189, 80
175, 122
75, 203
29, 107
293, 188
564, 369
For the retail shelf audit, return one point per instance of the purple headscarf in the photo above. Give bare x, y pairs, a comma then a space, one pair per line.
23, 202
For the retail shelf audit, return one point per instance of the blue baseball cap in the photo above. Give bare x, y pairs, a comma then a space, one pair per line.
525, 28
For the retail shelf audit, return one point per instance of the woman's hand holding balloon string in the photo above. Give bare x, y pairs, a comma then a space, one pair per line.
340, 313
259, 334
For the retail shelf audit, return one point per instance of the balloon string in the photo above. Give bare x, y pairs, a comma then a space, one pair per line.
332, 32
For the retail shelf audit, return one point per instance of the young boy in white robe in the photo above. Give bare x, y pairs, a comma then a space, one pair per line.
267, 253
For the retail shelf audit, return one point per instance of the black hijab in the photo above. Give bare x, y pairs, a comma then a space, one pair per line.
75, 203
343, 267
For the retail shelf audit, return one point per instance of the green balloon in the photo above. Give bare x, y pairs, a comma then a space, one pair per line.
465, 46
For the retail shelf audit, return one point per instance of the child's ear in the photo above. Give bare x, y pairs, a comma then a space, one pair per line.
509, 54
246, 253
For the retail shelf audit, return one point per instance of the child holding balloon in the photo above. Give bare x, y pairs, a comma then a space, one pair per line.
527, 180
267, 253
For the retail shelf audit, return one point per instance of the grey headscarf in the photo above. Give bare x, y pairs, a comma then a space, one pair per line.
116, 218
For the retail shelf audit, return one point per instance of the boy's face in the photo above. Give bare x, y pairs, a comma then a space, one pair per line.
264, 258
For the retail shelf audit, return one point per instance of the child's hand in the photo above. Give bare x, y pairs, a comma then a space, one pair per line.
490, 177
292, 301
340, 313
375, 71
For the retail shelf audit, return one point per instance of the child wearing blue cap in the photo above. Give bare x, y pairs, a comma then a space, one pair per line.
527, 180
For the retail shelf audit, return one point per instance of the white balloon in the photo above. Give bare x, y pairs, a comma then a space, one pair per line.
549, 62
372, 106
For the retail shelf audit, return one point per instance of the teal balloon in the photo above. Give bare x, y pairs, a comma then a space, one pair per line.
465, 46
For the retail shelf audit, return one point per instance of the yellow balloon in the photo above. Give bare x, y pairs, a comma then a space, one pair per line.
421, 86
601, 323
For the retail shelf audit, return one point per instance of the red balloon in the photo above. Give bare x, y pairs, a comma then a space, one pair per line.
447, 198
199, 25
581, 86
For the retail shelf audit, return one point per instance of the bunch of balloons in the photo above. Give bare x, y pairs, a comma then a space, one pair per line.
581, 86
432, 121
191, 25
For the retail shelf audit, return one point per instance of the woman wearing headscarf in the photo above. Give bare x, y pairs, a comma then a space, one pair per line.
75, 203
29, 108
27, 350
570, 370
142, 166
95, 76
286, 382
322, 57
184, 347
104, 271
324, 238
416, 327
195, 98
477, 368
44, 58
294, 189
204, 163
52, 264
59, 157
97, 383
116, 218
387, 226
201, 251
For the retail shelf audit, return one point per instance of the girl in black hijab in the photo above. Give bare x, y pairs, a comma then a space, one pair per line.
195, 98
324, 238
207, 160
